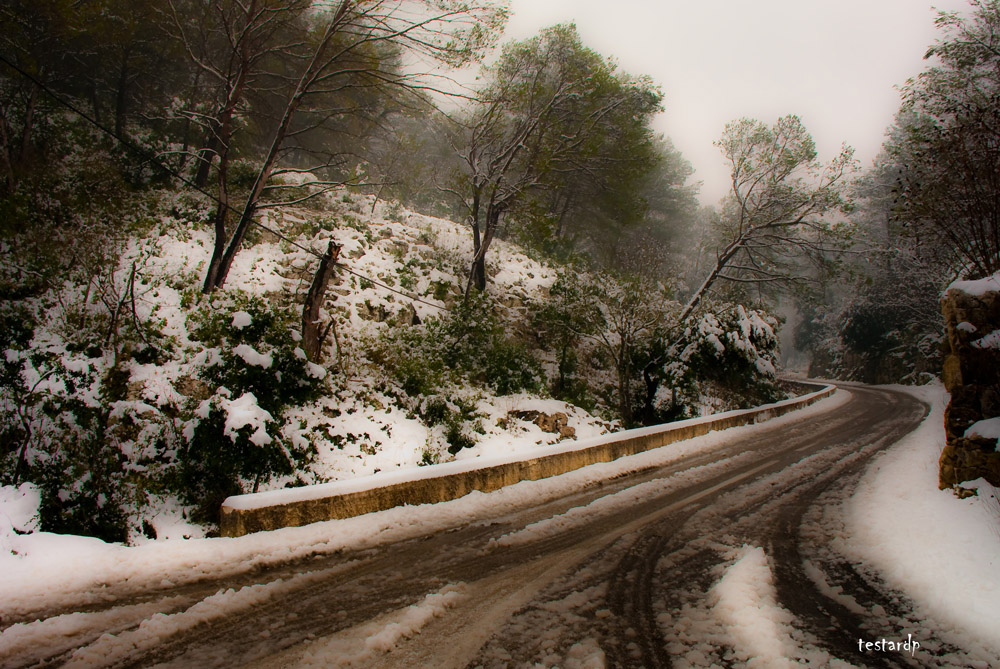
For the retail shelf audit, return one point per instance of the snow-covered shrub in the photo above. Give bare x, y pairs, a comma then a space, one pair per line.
256, 371
457, 418
57, 415
253, 346
68, 421
726, 359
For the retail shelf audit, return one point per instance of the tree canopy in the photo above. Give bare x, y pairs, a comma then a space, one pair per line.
946, 144
555, 121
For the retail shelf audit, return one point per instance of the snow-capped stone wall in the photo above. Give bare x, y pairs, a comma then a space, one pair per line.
972, 376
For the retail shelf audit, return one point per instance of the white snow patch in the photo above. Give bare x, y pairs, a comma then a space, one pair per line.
746, 601
252, 357
988, 429
990, 341
113, 649
381, 635
62, 633
585, 654
241, 319
314, 370
18, 512
977, 288
245, 411
944, 552
19, 506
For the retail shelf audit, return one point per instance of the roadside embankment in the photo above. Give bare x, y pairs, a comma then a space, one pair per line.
244, 514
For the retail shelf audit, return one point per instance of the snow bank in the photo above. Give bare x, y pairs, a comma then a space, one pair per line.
944, 552
745, 600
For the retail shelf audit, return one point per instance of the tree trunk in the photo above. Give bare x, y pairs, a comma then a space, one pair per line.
477, 273
221, 221
95, 102
205, 158
121, 99
720, 265
29, 120
624, 396
649, 401
312, 337
186, 135
7, 180
220, 138
306, 82
561, 220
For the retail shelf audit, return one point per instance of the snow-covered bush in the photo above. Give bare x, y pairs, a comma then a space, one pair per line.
62, 429
69, 421
726, 359
254, 371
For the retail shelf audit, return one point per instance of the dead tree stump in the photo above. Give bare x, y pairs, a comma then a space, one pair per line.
312, 333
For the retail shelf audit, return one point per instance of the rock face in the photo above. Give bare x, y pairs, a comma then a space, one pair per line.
972, 376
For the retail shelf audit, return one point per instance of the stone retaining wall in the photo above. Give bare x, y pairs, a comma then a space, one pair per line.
972, 376
237, 519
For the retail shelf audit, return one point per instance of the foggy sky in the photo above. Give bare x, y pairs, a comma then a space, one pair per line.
834, 64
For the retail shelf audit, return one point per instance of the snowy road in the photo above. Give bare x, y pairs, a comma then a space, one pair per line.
724, 558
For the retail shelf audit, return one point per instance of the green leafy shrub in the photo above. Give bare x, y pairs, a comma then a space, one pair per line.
429, 363
470, 342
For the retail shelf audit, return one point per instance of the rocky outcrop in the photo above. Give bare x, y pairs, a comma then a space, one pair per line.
972, 375
557, 423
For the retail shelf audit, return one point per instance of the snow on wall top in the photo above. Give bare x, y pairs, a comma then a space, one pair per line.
977, 288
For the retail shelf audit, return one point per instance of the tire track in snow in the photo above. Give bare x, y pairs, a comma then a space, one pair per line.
653, 570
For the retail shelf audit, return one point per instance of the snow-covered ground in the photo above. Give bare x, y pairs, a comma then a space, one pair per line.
940, 550
44, 569
363, 431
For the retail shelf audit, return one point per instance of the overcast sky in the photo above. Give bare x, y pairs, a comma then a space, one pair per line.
833, 63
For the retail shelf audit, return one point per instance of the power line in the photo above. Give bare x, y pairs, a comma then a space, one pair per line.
153, 159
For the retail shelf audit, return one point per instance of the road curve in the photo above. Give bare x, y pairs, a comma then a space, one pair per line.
619, 573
